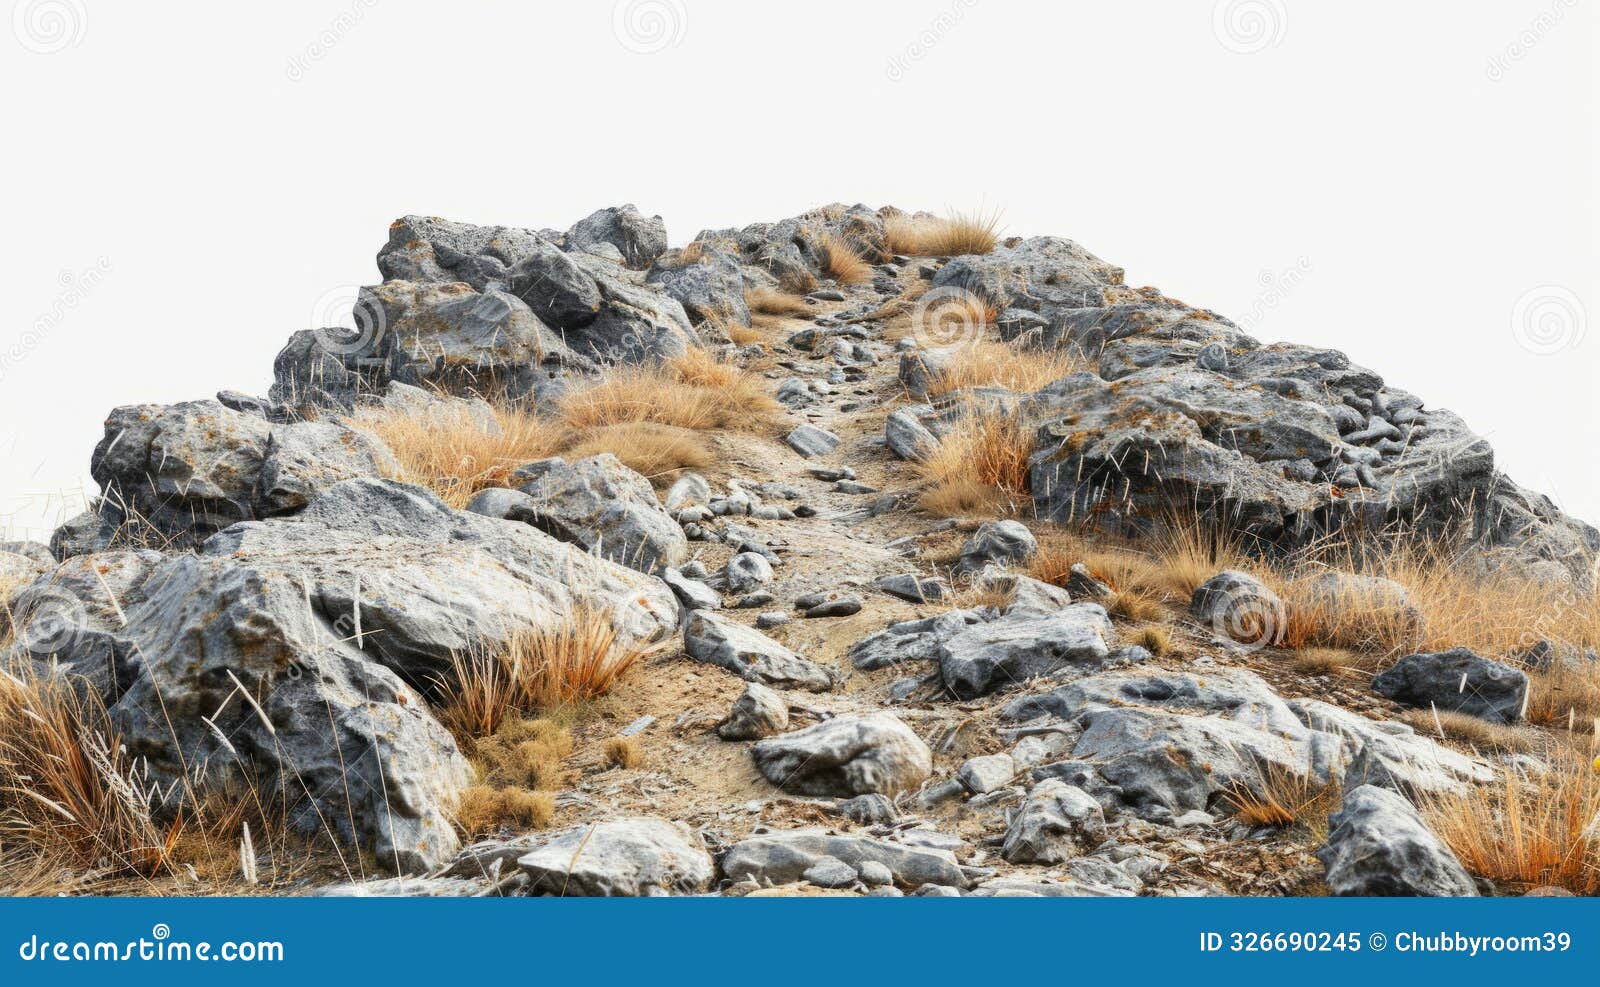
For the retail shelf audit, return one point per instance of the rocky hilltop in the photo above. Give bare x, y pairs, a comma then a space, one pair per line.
926, 562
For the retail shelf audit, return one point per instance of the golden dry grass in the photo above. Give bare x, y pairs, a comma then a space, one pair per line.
695, 391
486, 809
68, 789
1135, 606
1471, 730
1565, 696
658, 452
994, 364
766, 301
624, 752
1281, 798
1526, 831
1154, 639
981, 466
1329, 661
569, 660
842, 262
952, 236
453, 456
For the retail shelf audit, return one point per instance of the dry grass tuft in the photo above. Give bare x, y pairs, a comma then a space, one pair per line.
980, 466
1281, 798
1565, 696
1526, 831
1474, 731
695, 391
1329, 661
992, 364
658, 452
566, 661
1135, 606
453, 456
955, 235
486, 809
68, 788
843, 262
766, 301
1153, 638
624, 752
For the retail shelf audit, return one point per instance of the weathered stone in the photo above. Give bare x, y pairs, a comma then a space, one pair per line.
1378, 846
986, 774
609, 510
784, 857
750, 654
640, 239
1014, 649
1239, 606
758, 712
996, 543
847, 755
810, 441
634, 856
745, 572
1056, 822
1456, 680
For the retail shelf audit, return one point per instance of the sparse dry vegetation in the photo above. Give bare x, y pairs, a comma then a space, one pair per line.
1153, 638
766, 301
657, 452
485, 809
454, 456
695, 391
624, 752
571, 659
1528, 829
957, 234
842, 261
995, 364
1282, 798
68, 789
981, 467
1476, 732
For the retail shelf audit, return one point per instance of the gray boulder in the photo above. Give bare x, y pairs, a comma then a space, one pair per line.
634, 856
909, 640
750, 654
785, 857
1391, 754
1378, 846
996, 543
811, 441
758, 712
639, 238
1016, 648
746, 571
1056, 822
847, 755
1456, 680
289, 651
608, 509
1239, 606
709, 287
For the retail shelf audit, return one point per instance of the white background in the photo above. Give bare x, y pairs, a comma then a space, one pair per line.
1424, 164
